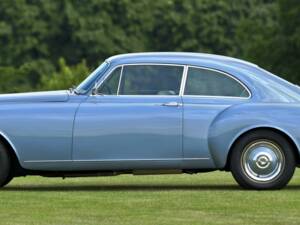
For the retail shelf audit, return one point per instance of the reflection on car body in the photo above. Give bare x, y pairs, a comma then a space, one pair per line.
157, 113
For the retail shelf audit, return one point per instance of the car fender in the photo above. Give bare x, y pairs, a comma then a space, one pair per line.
8, 140
236, 120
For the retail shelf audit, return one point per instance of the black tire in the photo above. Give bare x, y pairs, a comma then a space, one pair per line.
249, 161
8, 180
5, 166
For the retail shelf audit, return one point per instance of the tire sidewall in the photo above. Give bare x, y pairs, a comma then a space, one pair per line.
5, 164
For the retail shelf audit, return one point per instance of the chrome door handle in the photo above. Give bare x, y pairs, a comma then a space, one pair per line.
172, 104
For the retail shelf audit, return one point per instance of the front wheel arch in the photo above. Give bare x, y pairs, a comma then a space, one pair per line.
16, 168
286, 136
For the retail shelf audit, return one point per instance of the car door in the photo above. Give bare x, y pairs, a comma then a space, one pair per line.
133, 122
206, 94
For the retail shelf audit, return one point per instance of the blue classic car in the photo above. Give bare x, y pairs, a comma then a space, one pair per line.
151, 113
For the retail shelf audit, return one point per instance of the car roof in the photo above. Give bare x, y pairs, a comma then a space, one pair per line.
176, 57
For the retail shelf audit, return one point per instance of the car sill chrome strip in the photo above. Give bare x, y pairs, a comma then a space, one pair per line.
112, 160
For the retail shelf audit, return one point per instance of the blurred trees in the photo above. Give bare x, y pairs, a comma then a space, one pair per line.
65, 76
47, 44
270, 37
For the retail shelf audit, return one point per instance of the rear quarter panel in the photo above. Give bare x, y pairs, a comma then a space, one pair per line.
238, 119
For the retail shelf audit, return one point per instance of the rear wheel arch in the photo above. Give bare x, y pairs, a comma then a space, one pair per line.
278, 131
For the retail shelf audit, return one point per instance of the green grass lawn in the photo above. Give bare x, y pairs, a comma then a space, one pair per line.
210, 198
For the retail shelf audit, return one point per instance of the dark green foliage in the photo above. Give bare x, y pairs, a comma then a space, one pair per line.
25, 77
270, 37
290, 36
65, 76
35, 34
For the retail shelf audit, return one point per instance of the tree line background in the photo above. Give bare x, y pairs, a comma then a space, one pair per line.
54, 44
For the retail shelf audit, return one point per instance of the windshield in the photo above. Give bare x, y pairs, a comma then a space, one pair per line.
91, 79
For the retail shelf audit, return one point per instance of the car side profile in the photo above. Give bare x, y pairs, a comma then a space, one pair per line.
152, 113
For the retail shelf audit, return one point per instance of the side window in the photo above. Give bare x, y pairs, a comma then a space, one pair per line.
211, 83
110, 85
151, 80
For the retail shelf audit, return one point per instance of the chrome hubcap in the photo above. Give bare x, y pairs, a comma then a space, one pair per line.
262, 160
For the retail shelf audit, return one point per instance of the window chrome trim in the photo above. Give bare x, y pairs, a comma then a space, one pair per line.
215, 96
183, 81
120, 79
105, 77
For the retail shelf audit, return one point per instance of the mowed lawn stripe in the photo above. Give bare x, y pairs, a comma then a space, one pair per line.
209, 198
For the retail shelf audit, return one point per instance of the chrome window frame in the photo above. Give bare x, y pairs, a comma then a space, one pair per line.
141, 64
106, 77
217, 96
183, 81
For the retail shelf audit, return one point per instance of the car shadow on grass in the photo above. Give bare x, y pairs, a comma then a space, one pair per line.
132, 187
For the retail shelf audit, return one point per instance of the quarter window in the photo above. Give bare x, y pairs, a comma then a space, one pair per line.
151, 80
212, 83
110, 85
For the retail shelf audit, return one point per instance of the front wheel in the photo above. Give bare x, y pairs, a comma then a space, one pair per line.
5, 166
262, 160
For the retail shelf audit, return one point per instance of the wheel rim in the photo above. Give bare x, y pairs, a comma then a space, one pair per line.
262, 161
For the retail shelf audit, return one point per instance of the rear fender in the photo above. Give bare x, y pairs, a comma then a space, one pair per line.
229, 125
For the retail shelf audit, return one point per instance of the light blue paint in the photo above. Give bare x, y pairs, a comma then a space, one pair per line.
62, 131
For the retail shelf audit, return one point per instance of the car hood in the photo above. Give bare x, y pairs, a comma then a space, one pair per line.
45, 96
